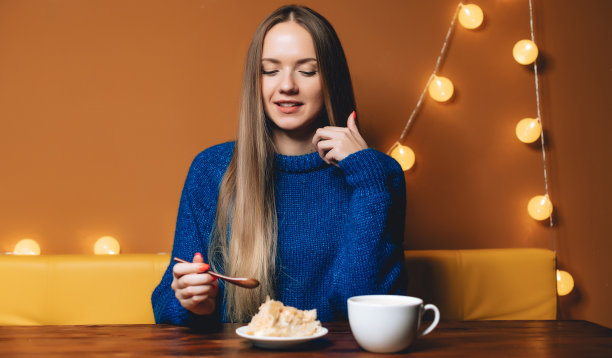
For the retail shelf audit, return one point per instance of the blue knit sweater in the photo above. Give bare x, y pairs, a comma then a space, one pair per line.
340, 231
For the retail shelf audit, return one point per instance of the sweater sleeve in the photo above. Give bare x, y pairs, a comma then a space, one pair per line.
188, 240
371, 259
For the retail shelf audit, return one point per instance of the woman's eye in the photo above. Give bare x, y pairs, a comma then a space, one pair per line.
308, 73
269, 73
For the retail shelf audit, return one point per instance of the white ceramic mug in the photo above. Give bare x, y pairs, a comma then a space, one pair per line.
388, 323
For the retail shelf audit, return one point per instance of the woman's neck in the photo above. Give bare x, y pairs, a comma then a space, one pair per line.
288, 143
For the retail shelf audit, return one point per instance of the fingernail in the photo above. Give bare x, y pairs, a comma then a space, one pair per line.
214, 279
354, 115
197, 255
204, 267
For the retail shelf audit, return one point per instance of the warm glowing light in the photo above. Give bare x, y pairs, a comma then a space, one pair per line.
441, 89
470, 16
528, 130
106, 245
525, 52
565, 283
27, 247
540, 207
404, 156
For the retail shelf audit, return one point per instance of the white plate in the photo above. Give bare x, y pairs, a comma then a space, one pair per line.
278, 342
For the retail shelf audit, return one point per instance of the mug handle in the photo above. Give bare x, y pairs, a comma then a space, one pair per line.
435, 321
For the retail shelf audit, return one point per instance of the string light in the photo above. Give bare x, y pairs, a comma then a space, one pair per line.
543, 204
528, 130
565, 283
525, 52
470, 16
107, 245
441, 89
404, 155
540, 207
394, 151
27, 247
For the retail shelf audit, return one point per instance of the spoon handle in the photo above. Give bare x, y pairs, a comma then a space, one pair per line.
242, 282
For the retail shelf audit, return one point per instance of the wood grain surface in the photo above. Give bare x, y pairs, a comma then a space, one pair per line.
451, 339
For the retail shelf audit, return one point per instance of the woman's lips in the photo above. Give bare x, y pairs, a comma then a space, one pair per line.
288, 107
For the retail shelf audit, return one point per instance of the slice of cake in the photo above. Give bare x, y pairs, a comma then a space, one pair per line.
277, 320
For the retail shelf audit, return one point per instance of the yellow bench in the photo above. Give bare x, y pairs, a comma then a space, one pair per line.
504, 284
79, 289
89, 289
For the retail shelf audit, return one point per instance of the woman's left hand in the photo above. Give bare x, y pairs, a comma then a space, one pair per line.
337, 143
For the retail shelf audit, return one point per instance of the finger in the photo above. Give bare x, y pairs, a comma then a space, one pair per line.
326, 133
334, 129
337, 134
352, 126
350, 123
182, 269
198, 258
331, 131
189, 298
198, 299
320, 151
183, 294
190, 302
332, 157
318, 136
197, 290
328, 144
194, 280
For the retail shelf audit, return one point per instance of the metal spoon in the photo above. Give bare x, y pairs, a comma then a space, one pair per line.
242, 282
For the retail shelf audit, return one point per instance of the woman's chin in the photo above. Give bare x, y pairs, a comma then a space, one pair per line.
293, 124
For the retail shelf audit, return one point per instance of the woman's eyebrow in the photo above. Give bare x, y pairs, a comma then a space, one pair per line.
299, 62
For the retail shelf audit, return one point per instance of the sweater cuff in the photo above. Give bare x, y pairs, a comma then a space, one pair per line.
366, 169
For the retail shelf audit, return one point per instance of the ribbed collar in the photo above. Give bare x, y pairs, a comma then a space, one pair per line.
299, 163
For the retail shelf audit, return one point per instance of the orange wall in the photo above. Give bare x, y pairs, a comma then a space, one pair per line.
103, 105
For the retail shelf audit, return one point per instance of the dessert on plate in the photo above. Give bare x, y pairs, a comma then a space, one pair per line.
277, 320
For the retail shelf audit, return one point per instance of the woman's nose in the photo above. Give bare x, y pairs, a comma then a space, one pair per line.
288, 84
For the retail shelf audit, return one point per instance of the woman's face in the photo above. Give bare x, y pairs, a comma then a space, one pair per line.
291, 84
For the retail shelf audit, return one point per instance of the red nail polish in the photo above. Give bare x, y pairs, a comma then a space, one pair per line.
204, 267
197, 256
214, 279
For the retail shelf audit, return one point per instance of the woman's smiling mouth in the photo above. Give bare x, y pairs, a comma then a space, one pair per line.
288, 107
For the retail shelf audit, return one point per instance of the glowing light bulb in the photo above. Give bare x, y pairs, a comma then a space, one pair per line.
525, 52
441, 89
106, 245
565, 283
27, 247
528, 130
470, 16
404, 156
540, 207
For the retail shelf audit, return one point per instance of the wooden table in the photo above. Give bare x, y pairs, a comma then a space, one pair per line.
451, 339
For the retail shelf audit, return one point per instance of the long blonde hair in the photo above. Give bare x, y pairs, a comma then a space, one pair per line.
243, 240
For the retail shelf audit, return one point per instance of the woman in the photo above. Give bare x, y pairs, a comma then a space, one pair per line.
298, 201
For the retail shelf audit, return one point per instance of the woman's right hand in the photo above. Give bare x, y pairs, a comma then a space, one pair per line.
196, 291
